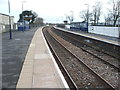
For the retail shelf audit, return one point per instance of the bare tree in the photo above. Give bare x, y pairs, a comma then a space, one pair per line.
85, 15
70, 17
97, 12
39, 21
108, 19
115, 11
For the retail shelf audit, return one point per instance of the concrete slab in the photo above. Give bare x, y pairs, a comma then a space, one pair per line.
42, 56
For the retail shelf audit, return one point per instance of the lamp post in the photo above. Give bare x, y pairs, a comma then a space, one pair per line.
9, 20
22, 15
87, 13
22, 5
72, 16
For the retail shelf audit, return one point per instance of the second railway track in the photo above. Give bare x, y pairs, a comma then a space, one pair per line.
103, 56
82, 74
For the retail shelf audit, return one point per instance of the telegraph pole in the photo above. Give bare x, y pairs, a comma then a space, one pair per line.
9, 20
23, 16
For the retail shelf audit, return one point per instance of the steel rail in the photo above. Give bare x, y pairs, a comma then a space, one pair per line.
114, 66
112, 87
93, 47
71, 81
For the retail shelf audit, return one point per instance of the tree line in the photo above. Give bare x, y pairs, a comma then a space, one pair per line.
112, 17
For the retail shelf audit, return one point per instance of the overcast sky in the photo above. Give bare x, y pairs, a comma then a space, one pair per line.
51, 10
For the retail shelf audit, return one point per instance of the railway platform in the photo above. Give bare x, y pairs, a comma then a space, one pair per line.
39, 69
108, 39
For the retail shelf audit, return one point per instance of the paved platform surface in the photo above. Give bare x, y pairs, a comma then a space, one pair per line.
13, 54
40, 69
103, 38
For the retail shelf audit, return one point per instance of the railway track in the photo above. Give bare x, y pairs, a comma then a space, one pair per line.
103, 56
108, 72
76, 66
110, 60
111, 49
70, 81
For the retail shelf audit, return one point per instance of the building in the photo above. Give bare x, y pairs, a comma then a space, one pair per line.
4, 22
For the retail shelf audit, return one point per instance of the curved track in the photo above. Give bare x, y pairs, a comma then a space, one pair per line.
64, 53
70, 81
103, 56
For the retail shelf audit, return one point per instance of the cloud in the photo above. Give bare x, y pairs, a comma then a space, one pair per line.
48, 9
2, 2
